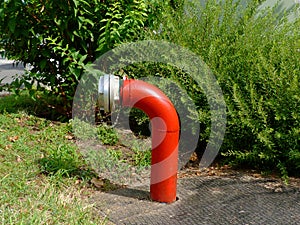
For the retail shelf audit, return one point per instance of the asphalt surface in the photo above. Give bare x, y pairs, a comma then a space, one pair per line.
9, 70
205, 200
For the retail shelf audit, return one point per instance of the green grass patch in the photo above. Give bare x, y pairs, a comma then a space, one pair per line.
107, 135
43, 178
36, 103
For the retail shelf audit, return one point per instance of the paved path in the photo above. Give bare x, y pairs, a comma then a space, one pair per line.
8, 70
206, 200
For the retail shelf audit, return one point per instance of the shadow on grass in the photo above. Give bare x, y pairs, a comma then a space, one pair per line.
41, 105
62, 158
65, 168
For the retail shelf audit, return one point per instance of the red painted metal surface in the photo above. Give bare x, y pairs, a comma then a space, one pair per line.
165, 135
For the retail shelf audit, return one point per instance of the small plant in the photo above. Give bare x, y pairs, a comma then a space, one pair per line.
107, 135
63, 160
116, 154
83, 130
140, 156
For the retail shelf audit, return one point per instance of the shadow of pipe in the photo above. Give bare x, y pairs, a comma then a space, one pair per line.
132, 193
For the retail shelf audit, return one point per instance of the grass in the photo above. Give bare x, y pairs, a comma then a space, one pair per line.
38, 104
43, 179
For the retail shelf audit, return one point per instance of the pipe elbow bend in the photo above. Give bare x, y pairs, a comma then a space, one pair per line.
151, 100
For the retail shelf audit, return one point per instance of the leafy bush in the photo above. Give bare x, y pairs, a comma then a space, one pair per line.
255, 59
256, 62
59, 39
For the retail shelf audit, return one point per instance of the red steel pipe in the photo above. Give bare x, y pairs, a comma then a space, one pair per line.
165, 135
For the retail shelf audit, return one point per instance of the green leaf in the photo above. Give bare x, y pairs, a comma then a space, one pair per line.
12, 24
82, 59
43, 64
76, 3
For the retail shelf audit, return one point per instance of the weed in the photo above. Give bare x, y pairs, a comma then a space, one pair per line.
141, 157
107, 135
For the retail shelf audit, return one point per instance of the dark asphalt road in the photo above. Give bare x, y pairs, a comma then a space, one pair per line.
206, 200
8, 70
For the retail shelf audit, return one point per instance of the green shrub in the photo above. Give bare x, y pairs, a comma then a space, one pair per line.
256, 62
59, 38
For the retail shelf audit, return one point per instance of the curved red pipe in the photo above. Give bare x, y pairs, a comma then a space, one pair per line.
165, 135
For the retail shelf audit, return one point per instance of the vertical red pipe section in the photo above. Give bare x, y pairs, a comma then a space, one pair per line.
165, 135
